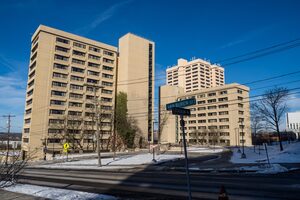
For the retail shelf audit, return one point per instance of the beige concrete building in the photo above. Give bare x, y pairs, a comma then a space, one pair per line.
195, 75
136, 78
63, 70
219, 111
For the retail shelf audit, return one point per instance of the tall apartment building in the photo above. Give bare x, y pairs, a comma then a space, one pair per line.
223, 110
293, 122
136, 78
195, 75
63, 70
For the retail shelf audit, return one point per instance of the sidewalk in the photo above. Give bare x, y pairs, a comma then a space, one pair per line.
7, 195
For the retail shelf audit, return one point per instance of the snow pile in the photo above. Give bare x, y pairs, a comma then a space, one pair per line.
265, 169
290, 154
56, 193
120, 162
205, 150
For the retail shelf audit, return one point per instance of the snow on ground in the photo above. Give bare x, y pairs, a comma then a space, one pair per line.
290, 154
205, 150
56, 193
120, 162
265, 169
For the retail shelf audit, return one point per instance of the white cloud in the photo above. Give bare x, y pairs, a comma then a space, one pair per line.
104, 16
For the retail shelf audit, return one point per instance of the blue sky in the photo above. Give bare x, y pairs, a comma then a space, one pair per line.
188, 28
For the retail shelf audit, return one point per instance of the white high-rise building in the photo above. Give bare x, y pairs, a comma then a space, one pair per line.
195, 75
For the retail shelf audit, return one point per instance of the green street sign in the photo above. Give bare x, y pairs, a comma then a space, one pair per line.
180, 104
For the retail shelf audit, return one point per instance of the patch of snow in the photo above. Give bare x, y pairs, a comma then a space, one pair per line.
290, 154
205, 150
120, 162
56, 193
265, 169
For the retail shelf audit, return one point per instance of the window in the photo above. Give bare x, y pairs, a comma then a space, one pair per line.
223, 99
223, 92
28, 111
211, 107
25, 140
88, 105
56, 121
81, 62
224, 127
77, 78
92, 81
30, 92
241, 112
77, 70
107, 68
26, 130
27, 121
104, 91
56, 102
104, 83
201, 102
61, 40
224, 120
108, 60
94, 49
224, 133
107, 76
56, 112
60, 66
212, 94
78, 53
76, 96
106, 107
108, 53
75, 44
223, 113
211, 101
62, 49
58, 84
240, 98
93, 65
201, 108
212, 120
93, 73
76, 87
59, 57
75, 104
29, 102
75, 113
59, 75
51, 130
94, 57
212, 114
201, 114
58, 93
104, 99
202, 121
223, 106
240, 91
240, 105
31, 83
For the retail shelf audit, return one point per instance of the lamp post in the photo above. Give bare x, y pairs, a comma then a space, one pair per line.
96, 104
153, 148
243, 156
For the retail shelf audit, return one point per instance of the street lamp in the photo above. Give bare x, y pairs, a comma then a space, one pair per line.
153, 148
243, 156
237, 132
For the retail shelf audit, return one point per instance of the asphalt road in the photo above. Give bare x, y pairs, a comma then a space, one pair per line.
148, 183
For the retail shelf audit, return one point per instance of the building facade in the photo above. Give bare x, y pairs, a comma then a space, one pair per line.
221, 115
195, 75
136, 79
68, 76
293, 122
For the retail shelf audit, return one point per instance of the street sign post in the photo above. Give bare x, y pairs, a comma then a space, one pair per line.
180, 104
177, 109
181, 111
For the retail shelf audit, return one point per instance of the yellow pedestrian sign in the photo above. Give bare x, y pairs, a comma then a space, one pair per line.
66, 146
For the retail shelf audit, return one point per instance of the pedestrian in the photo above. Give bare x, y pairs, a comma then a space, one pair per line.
223, 194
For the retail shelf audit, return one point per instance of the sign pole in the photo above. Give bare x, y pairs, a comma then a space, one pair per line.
186, 158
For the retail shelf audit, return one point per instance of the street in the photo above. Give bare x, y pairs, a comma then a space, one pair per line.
148, 183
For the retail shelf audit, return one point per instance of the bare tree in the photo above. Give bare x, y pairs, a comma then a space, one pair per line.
257, 121
273, 106
164, 116
214, 136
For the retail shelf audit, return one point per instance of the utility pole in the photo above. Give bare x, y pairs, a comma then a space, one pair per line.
8, 133
96, 104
